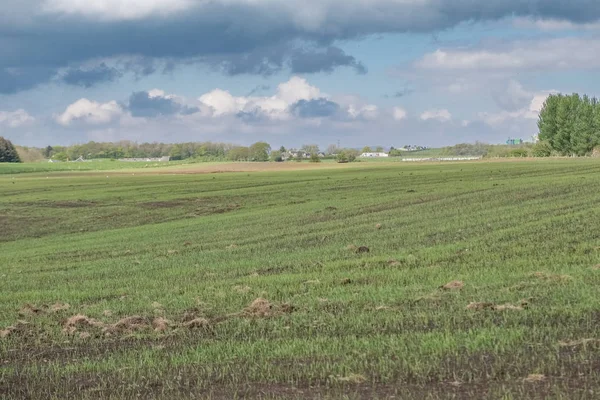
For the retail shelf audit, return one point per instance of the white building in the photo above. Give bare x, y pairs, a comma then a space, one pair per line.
371, 155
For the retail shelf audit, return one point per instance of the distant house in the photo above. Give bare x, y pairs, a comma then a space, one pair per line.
147, 159
51, 161
373, 155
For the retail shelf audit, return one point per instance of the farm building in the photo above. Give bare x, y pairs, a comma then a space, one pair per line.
148, 159
371, 155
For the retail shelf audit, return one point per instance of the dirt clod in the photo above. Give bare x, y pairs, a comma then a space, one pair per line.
504, 307
19, 327
535, 378
346, 281
352, 378
29, 309
454, 285
363, 249
197, 323
57, 307
80, 321
378, 226
160, 324
259, 308
128, 325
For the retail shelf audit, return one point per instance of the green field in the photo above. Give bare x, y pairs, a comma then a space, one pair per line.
259, 284
95, 165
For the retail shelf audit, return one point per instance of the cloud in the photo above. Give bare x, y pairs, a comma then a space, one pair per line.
314, 108
15, 119
442, 115
116, 9
91, 112
578, 53
530, 111
16, 79
399, 113
553, 25
238, 36
222, 102
88, 77
304, 61
511, 97
154, 104
269, 60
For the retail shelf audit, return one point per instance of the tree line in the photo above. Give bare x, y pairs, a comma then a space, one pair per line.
570, 124
206, 151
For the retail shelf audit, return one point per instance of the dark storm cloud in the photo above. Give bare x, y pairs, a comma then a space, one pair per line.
304, 61
142, 105
90, 76
13, 80
237, 36
314, 108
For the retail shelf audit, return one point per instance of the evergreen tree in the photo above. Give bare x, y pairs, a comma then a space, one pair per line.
8, 153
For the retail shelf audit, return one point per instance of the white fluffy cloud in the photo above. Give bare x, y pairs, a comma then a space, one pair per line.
399, 113
441, 115
276, 107
91, 112
544, 54
15, 119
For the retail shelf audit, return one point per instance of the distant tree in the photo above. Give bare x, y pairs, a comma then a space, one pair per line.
239, 153
48, 152
332, 149
565, 121
8, 153
314, 157
176, 152
541, 149
346, 155
30, 154
276, 156
259, 151
62, 156
366, 149
582, 142
310, 148
282, 150
379, 149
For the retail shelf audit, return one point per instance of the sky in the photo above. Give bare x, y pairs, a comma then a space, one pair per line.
290, 72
